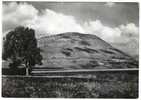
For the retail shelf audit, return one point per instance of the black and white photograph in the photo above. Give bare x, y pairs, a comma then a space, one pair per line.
54, 49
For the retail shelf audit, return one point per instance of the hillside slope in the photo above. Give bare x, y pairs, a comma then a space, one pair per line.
81, 51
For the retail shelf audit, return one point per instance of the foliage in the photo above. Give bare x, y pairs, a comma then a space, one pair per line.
20, 46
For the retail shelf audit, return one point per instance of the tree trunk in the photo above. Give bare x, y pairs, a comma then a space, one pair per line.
27, 71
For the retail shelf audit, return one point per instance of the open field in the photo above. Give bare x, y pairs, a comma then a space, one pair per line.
96, 85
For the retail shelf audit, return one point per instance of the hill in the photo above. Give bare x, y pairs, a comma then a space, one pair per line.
74, 50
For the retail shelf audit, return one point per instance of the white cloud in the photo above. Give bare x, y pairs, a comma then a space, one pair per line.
17, 14
110, 4
119, 34
107, 33
49, 22
130, 29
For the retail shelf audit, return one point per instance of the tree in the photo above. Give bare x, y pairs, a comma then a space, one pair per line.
20, 46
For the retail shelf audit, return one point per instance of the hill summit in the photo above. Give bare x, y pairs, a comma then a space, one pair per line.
74, 50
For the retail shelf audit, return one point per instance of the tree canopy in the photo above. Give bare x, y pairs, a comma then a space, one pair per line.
20, 45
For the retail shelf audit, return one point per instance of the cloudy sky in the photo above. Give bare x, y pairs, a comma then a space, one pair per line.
116, 23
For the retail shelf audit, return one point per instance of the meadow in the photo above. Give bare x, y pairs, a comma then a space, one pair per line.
96, 85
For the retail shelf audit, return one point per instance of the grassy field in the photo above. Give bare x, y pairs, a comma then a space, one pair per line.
98, 85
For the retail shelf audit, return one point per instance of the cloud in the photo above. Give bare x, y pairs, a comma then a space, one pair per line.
105, 32
119, 34
130, 29
110, 4
17, 14
48, 22
51, 22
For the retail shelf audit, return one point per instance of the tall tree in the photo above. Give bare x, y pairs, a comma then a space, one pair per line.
20, 45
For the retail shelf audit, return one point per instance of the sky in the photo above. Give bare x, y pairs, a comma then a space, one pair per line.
117, 23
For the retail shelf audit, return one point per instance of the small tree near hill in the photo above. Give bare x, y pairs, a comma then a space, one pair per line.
20, 46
